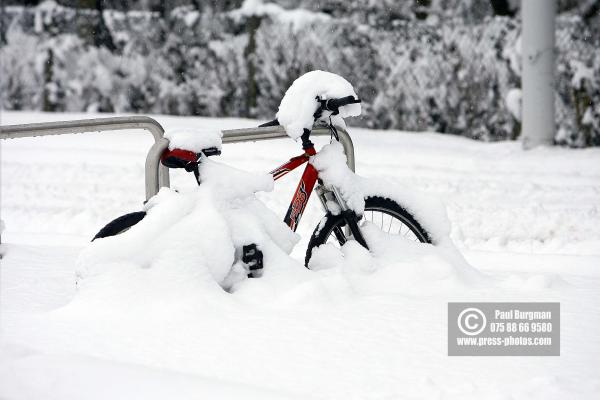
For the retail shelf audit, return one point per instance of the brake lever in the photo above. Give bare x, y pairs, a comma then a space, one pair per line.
333, 130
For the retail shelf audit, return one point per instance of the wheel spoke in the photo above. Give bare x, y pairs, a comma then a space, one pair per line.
395, 224
401, 223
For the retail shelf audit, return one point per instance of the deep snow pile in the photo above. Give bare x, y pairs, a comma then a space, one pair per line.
161, 284
368, 325
299, 102
189, 240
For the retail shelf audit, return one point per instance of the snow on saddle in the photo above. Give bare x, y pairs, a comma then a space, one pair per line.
187, 145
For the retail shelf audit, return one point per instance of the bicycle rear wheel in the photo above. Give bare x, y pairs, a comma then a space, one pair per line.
120, 225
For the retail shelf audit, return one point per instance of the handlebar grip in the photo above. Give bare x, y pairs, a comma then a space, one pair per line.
275, 122
335, 104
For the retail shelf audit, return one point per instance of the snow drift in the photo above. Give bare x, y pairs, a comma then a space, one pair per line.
194, 139
193, 237
365, 330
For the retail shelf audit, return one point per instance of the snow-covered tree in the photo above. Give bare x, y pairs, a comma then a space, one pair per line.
445, 65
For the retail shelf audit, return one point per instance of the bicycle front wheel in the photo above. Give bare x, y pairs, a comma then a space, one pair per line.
384, 213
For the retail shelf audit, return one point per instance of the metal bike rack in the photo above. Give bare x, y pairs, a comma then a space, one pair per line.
157, 175
276, 132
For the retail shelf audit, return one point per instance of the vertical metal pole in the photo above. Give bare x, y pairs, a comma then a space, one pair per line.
538, 19
1, 222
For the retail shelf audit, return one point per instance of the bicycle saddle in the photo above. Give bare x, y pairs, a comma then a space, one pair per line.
188, 145
180, 158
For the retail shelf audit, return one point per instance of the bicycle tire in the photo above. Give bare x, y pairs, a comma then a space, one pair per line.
372, 203
120, 225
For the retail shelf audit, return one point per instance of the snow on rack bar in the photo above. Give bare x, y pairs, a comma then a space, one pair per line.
193, 139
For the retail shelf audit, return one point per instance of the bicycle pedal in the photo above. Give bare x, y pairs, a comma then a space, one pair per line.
252, 257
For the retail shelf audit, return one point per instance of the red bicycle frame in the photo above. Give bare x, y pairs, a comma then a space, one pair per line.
305, 186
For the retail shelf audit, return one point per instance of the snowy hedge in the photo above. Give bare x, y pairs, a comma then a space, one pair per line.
453, 75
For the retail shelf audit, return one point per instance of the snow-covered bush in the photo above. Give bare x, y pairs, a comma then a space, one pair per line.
448, 78
20, 71
443, 65
578, 85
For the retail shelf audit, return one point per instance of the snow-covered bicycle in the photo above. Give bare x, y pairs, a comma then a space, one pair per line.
345, 215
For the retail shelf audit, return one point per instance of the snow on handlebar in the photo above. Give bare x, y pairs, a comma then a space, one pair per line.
333, 105
299, 108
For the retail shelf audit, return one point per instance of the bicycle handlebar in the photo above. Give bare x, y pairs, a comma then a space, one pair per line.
332, 105
275, 122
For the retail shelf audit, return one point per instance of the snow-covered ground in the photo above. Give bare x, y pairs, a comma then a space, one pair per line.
528, 220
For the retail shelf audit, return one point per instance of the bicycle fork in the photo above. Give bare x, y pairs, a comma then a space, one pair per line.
333, 202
